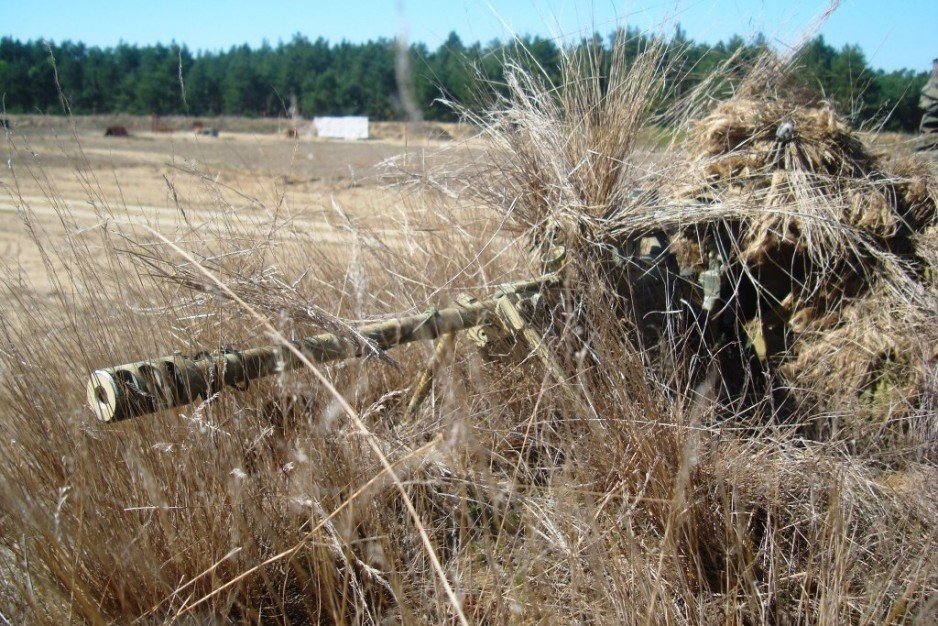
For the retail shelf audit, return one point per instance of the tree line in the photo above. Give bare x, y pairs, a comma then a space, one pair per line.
316, 77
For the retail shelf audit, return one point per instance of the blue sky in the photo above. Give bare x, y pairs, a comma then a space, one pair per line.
893, 34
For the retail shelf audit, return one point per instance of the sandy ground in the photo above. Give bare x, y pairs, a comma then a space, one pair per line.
181, 180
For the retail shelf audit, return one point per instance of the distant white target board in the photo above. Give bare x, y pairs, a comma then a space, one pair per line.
341, 127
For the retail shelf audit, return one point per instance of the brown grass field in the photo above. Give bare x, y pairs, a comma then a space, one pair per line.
597, 475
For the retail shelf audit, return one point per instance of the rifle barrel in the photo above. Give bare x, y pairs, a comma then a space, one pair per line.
144, 387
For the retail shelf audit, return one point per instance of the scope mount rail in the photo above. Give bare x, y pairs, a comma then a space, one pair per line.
144, 387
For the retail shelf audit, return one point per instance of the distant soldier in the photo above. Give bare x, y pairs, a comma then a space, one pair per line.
929, 104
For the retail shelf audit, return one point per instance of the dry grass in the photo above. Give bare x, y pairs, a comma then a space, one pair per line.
615, 495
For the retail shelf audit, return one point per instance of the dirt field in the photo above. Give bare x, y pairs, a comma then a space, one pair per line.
63, 174
170, 181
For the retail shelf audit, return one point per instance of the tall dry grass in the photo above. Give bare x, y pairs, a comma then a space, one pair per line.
612, 496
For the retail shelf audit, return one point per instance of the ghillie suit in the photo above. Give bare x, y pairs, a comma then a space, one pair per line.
826, 249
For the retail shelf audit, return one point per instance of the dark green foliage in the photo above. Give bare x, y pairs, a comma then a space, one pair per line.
346, 78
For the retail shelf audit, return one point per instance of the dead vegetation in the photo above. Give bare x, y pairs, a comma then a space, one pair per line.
619, 494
